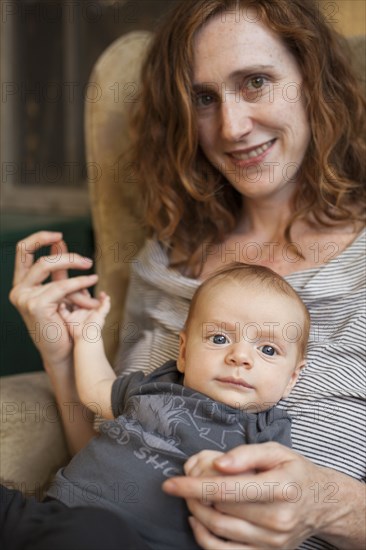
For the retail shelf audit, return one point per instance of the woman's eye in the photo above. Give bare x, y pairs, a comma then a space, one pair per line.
268, 350
219, 339
256, 82
203, 100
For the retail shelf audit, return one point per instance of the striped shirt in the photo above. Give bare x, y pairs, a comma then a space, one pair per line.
327, 404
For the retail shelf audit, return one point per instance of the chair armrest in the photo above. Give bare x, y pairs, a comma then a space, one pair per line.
32, 444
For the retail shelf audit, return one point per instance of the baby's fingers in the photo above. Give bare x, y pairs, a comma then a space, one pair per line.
105, 304
202, 464
64, 312
99, 314
83, 299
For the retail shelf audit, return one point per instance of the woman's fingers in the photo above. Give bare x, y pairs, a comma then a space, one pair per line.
213, 488
33, 301
263, 456
221, 526
30, 274
58, 290
208, 541
81, 298
46, 265
238, 530
57, 249
85, 292
26, 248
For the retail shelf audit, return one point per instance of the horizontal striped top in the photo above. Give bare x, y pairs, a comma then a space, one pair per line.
327, 404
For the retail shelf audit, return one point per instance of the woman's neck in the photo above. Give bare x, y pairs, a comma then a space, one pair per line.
265, 219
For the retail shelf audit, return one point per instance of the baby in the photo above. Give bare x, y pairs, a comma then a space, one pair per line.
242, 350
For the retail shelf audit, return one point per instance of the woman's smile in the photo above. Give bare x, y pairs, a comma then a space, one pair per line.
251, 155
256, 138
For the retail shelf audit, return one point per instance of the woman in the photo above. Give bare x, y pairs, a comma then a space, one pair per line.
249, 145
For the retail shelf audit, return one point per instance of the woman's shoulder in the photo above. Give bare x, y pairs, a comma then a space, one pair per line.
329, 250
152, 267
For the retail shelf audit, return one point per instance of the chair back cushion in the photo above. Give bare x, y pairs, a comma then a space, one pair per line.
115, 207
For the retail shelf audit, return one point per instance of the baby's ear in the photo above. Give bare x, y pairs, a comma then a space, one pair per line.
181, 362
294, 377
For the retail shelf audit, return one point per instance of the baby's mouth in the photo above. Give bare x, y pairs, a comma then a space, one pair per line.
236, 382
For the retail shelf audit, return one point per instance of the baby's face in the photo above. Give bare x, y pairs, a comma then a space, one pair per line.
242, 346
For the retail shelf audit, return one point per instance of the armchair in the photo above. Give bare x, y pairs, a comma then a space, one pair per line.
32, 446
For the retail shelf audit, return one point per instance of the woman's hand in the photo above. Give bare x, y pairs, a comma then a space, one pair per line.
286, 501
39, 303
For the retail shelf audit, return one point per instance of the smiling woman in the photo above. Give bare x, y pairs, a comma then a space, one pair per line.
262, 123
274, 83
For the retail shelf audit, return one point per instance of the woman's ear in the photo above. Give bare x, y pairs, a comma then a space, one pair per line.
294, 378
181, 362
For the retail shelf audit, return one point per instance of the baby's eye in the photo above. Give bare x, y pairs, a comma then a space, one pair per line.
268, 350
219, 339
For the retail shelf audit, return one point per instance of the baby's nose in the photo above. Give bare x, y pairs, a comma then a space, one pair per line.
240, 355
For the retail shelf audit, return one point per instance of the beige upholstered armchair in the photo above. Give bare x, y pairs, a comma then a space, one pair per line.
114, 201
32, 446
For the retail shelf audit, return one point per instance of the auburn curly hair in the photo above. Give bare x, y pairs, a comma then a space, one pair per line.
186, 201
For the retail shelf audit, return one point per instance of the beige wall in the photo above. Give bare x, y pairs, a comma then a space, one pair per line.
348, 16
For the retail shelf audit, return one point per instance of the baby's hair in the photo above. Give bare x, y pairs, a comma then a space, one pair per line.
264, 277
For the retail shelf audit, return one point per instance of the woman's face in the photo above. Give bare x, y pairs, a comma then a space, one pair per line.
251, 117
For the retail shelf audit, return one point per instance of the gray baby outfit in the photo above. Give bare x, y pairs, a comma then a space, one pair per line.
158, 425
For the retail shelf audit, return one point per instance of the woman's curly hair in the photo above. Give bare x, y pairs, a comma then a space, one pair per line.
187, 201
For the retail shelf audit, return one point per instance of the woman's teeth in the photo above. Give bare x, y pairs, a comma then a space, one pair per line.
254, 153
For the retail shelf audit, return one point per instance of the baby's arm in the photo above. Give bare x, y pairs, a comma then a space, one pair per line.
94, 375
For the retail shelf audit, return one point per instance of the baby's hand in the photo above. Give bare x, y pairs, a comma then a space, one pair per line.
79, 318
201, 464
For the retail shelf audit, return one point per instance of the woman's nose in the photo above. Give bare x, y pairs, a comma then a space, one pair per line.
236, 120
240, 355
